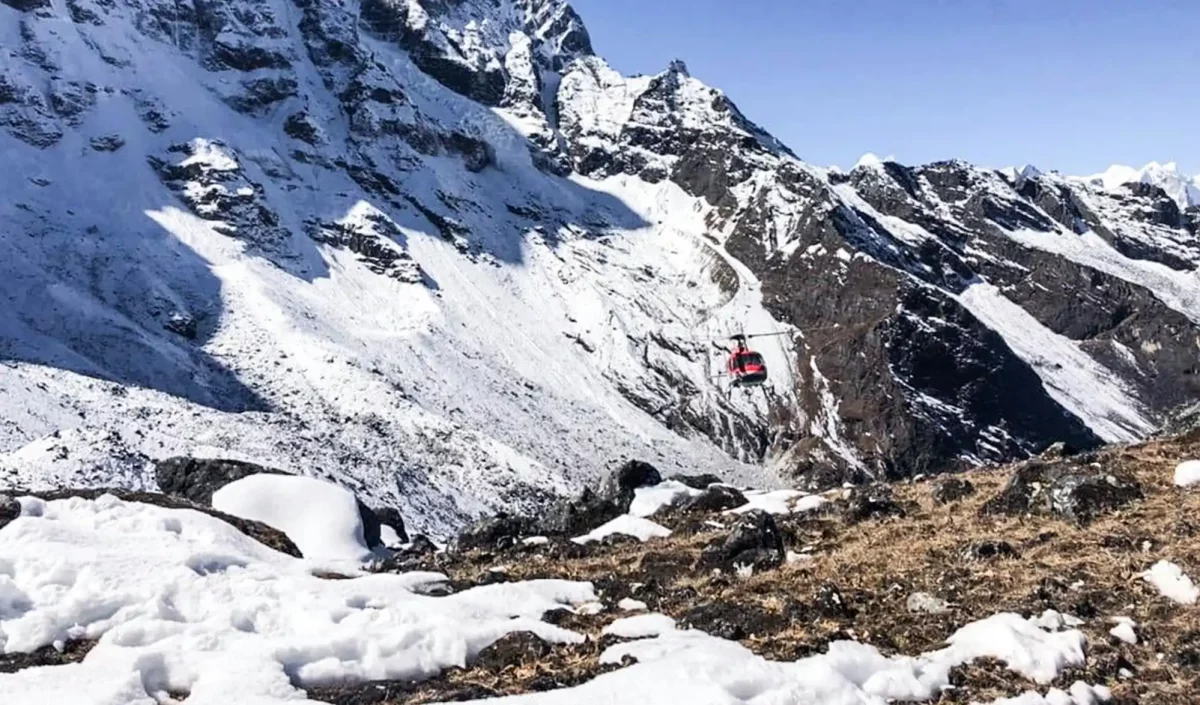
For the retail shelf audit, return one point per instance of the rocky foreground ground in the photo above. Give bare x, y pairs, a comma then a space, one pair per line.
1066, 537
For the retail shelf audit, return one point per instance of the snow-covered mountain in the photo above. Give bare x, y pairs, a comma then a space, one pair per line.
1184, 190
443, 252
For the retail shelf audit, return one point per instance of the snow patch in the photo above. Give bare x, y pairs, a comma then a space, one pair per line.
641, 626
1124, 630
648, 501
1187, 473
250, 627
321, 518
639, 528
1172, 582
779, 502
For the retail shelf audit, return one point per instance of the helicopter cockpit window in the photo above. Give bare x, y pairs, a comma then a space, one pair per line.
752, 359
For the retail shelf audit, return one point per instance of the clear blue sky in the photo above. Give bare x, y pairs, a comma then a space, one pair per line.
1072, 85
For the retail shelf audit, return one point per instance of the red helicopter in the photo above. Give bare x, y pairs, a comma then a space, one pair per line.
745, 367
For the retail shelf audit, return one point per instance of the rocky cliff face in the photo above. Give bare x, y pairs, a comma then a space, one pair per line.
442, 249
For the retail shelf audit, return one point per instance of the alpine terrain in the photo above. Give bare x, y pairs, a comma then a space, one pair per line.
433, 270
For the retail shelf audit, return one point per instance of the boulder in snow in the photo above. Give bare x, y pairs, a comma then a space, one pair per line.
10, 509
500, 531
571, 517
375, 518
265, 534
619, 485
697, 482
717, 498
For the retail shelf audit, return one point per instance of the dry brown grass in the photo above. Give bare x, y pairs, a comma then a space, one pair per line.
1089, 571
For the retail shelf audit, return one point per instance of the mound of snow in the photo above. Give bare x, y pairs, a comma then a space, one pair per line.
871, 159
641, 626
1187, 474
1020, 643
647, 501
320, 517
1172, 583
639, 528
186, 603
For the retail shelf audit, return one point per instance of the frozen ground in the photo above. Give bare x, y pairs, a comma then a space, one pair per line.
182, 603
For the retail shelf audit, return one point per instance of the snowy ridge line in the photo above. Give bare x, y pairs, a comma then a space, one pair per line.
204, 610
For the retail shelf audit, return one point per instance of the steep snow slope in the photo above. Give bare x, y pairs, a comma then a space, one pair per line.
481, 337
444, 254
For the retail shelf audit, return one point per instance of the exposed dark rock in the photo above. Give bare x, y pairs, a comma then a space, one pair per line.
500, 531
832, 604
871, 502
573, 517
88, 11
375, 239
260, 93
1075, 490
477, 154
988, 550
71, 99
421, 546
241, 55
26, 5
732, 621
952, 489
374, 519
197, 479
183, 324
619, 485
300, 126
108, 143
10, 509
697, 482
390, 516
754, 540
717, 498
515, 649
220, 191
72, 652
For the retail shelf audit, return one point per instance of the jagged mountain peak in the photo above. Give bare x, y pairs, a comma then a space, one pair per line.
678, 66
1180, 188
